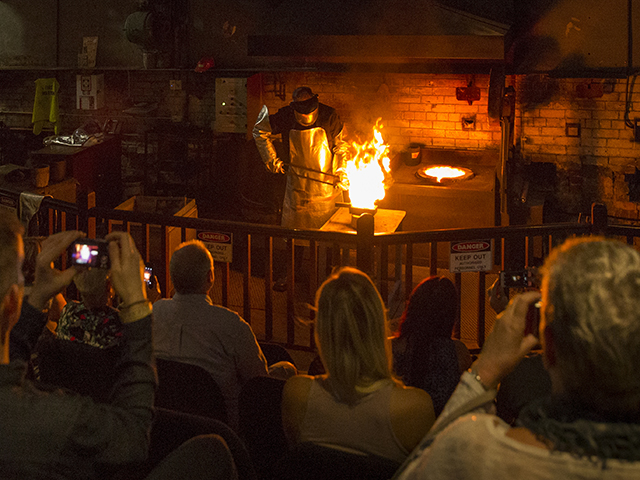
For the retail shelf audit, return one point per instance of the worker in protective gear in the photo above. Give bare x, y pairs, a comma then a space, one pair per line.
315, 157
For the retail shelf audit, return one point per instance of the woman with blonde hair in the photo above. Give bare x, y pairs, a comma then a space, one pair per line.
358, 405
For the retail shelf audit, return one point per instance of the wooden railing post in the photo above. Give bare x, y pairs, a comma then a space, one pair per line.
364, 253
599, 219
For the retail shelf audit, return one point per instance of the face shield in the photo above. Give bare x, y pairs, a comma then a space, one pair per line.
306, 111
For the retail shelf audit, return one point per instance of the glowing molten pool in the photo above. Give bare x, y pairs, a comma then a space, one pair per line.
444, 172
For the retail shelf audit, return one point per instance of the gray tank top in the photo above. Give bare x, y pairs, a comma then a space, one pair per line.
365, 426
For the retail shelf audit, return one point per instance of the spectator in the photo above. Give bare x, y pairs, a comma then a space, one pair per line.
87, 344
589, 426
358, 404
45, 435
189, 328
424, 354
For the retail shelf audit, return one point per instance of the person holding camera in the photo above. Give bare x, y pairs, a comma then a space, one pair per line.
46, 434
589, 427
86, 345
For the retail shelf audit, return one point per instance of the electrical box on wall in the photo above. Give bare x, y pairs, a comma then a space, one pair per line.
89, 92
231, 105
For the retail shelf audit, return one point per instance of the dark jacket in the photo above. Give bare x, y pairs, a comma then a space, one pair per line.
58, 435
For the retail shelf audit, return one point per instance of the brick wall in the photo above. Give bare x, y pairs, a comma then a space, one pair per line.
595, 166
415, 108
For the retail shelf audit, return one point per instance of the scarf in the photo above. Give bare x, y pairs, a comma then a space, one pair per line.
566, 427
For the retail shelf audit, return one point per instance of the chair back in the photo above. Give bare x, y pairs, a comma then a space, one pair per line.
275, 353
171, 429
317, 462
190, 389
260, 424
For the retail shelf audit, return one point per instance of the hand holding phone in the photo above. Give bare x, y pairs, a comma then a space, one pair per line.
526, 278
148, 275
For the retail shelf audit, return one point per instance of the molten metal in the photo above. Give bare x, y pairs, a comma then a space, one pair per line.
443, 172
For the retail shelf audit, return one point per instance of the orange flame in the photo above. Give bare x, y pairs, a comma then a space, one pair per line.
368, 170
444, 172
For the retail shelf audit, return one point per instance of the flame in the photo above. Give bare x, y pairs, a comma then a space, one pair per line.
368, 170
444, 172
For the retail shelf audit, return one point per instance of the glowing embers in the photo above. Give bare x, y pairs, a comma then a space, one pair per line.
444, 174
368, 170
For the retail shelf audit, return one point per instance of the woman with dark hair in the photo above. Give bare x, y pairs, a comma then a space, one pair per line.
424, 354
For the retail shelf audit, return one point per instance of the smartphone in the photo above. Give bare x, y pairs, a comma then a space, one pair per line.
148, 275
532, 321
90, 253
518, 279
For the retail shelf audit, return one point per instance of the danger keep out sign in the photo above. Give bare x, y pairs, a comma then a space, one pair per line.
219, 244
471, 256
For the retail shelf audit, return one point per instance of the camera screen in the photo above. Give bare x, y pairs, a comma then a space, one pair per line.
90, 253
84, 254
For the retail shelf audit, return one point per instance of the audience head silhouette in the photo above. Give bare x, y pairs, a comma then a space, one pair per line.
351, 332
431, 310
191, 268
591, 321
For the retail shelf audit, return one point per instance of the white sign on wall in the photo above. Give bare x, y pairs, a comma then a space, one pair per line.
471, 256
220, 245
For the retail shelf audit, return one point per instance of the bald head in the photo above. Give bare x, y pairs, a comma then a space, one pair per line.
191, 268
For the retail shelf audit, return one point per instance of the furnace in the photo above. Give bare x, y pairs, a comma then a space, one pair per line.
466, 201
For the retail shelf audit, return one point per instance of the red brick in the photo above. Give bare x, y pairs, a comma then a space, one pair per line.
623, 143
457, 134
467, 143
420, 124
419, 107
444, 91
431, 133
444, 125
555, 123
407, 132
400, 107
602, 133
552, 132
553, 149
606, 114
466, 108
547, 112
443, 142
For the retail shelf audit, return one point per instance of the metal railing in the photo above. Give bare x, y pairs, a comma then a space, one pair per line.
255, 246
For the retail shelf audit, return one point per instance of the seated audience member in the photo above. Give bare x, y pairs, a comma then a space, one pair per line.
589, 427
189, 328
87, 344
61, 435
424, 354
358, 405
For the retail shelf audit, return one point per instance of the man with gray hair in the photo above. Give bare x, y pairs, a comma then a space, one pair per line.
589, 427
189, 328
